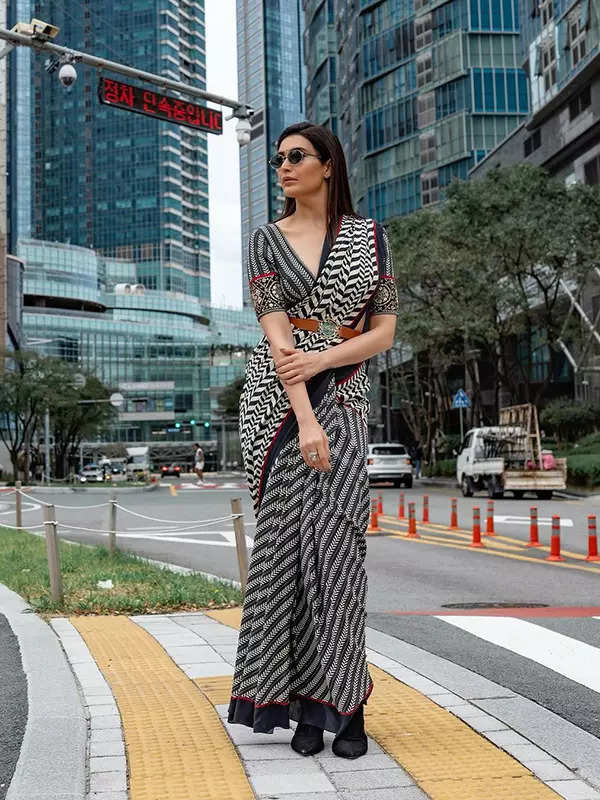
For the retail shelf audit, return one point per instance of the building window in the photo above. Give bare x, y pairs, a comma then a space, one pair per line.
591, 171
532, 142
549, 65
429, 188
427, 148
423, 33
546, 11
576, 38
424, 70
426, 112
579, 103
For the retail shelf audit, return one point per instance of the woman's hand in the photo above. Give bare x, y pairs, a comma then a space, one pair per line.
295, 366
313, 439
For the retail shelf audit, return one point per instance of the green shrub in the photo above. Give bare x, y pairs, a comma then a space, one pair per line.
589, 445
445, 468
568, 420
583, 470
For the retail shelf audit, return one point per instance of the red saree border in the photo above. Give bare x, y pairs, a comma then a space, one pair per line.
264, 275
304, 697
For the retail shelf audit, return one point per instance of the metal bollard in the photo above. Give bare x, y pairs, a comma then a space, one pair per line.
592, 539
454, 513
533, 528
240, 541
56, 587
476, 542
18, 506
112, 523
425, 508
555, 540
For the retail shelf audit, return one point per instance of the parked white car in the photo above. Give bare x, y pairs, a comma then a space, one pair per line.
91, 474
389, 461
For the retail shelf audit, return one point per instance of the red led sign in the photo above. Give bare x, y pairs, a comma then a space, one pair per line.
151, 104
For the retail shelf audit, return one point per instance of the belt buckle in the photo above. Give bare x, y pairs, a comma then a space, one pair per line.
328, 328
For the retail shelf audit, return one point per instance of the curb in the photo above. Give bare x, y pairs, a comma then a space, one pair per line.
51, 764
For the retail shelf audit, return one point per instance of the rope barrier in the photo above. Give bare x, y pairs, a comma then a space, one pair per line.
64, 508
180, 522
20, 527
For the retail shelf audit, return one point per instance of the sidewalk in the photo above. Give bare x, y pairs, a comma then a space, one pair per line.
134, 709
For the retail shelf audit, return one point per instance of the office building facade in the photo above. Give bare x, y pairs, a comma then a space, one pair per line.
418, 92
271, 80
169, 355
99, 177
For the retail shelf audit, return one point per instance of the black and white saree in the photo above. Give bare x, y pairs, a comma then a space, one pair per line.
302, 638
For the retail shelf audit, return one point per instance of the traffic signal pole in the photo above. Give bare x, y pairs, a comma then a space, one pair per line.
40, 42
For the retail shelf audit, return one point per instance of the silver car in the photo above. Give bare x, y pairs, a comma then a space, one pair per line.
91, 474
389, 461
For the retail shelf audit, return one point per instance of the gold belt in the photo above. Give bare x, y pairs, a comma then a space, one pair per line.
326, 327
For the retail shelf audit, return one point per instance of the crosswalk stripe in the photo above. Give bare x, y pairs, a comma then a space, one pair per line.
578, 661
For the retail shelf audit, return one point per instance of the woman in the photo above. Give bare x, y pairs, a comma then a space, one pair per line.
303, 427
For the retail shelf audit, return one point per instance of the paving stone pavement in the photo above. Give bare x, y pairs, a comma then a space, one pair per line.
203, 647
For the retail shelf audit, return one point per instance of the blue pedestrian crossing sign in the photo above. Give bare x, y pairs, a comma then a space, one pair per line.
460, 400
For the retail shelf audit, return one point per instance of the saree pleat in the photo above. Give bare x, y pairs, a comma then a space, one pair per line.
301, 646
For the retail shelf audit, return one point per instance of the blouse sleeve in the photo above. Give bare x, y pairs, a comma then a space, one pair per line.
385, 299
263, 279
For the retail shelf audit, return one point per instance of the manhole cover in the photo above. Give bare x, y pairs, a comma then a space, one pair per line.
495, 605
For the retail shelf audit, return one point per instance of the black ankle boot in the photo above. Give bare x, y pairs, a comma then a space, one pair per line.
352, 743
307, 740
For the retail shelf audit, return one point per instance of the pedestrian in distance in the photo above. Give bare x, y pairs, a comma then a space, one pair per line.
417, 457
322, 285
199, 464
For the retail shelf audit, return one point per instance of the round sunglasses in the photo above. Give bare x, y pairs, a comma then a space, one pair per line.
294, 156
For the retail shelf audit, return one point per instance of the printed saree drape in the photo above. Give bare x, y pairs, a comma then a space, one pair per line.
302, 638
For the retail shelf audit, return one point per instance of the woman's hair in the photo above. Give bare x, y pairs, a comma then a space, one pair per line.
328, 147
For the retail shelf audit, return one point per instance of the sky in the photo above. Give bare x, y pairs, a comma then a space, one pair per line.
223, 158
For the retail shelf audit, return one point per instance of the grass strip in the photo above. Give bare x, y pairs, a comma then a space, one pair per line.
138, 587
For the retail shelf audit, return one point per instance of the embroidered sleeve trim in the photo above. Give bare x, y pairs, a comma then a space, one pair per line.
385, 299
267, 295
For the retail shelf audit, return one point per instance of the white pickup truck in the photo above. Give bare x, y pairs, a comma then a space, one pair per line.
492, 459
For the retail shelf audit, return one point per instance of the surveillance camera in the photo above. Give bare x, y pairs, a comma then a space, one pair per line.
242, 130
67, 75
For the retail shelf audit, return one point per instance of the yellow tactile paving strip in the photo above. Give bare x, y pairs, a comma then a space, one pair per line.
447, 758
177, 748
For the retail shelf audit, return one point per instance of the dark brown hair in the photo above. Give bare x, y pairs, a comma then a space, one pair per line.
328, 148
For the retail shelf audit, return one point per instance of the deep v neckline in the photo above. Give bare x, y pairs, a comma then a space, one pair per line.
322, 261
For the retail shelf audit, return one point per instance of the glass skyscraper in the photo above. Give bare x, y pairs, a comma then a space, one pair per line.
271, 80
108, 211
417, 90
99, 177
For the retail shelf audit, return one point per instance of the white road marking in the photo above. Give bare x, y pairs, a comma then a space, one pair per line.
228, 539
578, 661
510, 520
26, 506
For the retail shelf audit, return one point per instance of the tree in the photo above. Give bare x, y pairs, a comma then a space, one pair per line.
72, 420
229, 398
26, 385
482, 279
31, 384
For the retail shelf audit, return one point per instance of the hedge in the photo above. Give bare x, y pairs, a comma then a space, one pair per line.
583, 470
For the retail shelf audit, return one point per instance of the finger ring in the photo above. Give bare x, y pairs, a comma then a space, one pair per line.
313, 456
